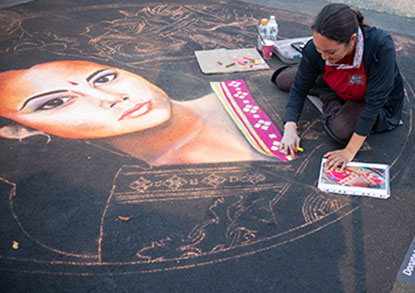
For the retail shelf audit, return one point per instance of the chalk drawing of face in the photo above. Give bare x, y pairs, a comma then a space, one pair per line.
78, 99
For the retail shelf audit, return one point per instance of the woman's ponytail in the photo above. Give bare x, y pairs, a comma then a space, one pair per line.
360, 18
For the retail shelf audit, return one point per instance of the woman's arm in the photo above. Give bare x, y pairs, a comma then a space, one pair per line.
304, 80
380, 70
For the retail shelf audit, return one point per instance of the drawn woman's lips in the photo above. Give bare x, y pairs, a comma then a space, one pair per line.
136, 111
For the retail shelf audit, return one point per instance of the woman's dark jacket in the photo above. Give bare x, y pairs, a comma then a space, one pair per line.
384, 94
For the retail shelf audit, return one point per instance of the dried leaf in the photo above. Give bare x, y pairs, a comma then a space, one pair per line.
125, 218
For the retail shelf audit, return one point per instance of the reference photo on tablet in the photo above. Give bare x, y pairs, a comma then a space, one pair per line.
365, 179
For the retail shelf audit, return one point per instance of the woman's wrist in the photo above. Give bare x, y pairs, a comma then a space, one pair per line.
290, 125
355, 143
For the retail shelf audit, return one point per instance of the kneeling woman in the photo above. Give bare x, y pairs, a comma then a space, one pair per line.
358, 64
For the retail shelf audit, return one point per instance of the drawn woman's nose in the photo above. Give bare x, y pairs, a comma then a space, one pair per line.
109, 99
104, 98
118, 101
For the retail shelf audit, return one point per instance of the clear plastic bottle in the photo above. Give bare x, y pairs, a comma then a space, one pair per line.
262, 29
272, 29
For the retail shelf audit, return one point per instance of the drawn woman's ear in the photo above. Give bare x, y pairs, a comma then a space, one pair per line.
20, 132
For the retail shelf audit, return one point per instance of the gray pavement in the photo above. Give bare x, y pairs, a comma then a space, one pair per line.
392, 16
404, 8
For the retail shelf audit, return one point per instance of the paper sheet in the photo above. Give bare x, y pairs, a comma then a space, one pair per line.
227, 61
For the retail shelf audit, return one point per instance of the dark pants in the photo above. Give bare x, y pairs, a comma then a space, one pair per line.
341, 116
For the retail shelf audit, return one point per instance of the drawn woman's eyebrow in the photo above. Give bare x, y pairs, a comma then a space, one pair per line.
41, 95
95, 73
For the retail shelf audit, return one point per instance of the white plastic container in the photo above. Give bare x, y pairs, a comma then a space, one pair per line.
272, 29
286, 53
262, 29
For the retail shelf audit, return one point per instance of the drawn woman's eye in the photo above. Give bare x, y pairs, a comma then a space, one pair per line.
53, 103
105, 79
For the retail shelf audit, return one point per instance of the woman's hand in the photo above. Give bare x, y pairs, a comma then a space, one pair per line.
344, 156
290, 140
339, 157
